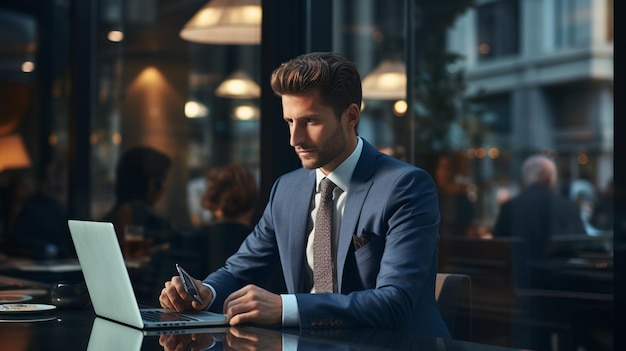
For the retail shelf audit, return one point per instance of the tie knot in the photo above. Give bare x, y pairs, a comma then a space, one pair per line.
326, 188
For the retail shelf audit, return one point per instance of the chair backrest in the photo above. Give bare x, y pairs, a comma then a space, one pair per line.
454, 295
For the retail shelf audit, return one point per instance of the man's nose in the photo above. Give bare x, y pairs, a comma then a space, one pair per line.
297, 135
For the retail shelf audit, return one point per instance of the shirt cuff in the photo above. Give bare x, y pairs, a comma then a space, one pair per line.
213, 292
291, 316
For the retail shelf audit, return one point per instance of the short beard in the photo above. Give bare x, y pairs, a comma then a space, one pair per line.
333, 148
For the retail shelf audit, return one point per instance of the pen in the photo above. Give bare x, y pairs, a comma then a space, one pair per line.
188, 284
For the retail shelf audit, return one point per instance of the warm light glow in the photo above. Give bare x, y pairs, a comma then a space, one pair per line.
152, 100
116, 138
583, 159
238, 85
494, 152
115, 36
386, 82
28, 66
400, 107
93, 138
53, 139
480, 152
195, 109
225, 22
246, 112
14, 154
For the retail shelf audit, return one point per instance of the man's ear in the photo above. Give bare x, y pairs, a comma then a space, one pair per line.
353, 115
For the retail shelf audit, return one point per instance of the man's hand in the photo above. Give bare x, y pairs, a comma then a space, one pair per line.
174, 296
252, 340
255, 305
192, 342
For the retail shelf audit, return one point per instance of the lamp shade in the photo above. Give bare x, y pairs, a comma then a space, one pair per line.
13, 154
386, 82
225, 22
238, 85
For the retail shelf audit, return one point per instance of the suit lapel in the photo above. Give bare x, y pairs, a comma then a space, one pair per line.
360, 184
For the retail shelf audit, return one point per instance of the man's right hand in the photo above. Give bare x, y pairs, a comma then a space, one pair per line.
174, 297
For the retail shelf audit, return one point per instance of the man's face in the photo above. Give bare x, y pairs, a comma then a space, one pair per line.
320, 139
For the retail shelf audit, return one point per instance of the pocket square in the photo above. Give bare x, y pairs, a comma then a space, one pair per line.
362, 240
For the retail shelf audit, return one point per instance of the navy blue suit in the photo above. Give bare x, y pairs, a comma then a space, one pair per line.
386, 255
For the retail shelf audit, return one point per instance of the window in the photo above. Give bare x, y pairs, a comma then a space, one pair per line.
498, 29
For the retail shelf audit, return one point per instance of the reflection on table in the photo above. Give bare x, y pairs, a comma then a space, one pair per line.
80, 330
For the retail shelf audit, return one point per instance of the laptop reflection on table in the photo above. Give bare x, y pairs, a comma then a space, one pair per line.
107, 335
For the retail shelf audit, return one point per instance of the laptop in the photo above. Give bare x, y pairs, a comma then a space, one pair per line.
109, 286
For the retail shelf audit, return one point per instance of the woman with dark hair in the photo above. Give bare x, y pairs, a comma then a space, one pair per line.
140, 183
231, 197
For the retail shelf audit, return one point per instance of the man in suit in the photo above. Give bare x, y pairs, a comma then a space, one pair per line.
386, 223
533, 218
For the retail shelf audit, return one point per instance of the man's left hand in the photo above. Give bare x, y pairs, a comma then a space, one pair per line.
254, 305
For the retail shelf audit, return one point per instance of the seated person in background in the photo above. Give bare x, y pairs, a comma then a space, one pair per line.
231, 196
41, 225
538, 213
368, 260
534, 216
140, 183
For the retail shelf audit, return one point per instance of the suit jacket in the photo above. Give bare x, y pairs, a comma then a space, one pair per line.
534, 216
391, 212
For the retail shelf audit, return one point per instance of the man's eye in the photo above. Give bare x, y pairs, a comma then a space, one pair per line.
289, 121
310, 120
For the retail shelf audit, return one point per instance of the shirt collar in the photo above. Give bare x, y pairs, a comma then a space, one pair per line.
342, 174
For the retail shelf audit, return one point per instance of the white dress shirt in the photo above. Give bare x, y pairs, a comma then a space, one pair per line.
341, 177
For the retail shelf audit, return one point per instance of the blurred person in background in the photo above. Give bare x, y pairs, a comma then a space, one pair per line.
535, 216
41, 226
141, 176
231, 196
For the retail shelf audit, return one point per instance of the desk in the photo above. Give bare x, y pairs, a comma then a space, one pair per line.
80, 329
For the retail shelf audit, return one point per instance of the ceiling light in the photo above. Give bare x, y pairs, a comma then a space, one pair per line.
238, 85
386, 82
225, 22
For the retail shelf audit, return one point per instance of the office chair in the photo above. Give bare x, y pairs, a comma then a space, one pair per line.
453, 295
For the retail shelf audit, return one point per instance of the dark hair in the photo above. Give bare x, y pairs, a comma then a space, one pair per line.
136, 168
233, 190
334, 77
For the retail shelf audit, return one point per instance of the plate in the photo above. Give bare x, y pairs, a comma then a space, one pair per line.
21, 318
12, 298
30, 292
10, 308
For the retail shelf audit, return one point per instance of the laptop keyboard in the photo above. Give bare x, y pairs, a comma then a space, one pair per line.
158, 316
